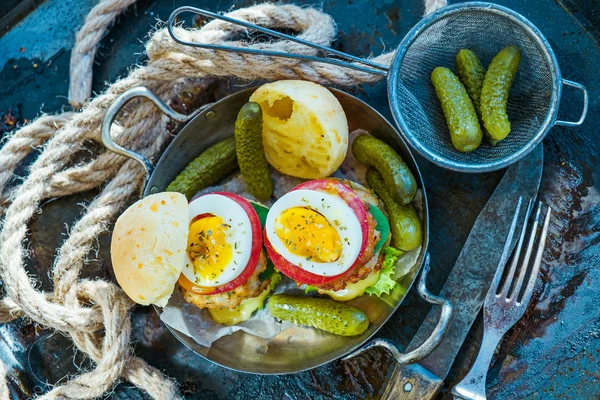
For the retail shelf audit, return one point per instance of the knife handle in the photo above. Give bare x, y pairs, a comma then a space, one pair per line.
412, 382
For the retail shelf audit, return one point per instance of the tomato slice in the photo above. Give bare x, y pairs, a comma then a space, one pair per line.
249, 269
355, 203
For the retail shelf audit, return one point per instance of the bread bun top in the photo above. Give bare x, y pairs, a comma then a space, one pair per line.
148, 247
305, 129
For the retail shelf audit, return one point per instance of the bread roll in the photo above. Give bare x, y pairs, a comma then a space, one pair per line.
305, 130
148, 247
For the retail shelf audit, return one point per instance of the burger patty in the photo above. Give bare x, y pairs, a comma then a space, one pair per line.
368, 262
229, 300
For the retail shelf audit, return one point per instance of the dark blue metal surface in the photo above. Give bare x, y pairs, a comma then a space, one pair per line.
552, 353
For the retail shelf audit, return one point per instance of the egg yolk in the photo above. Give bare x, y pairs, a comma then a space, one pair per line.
308, 234
207, 246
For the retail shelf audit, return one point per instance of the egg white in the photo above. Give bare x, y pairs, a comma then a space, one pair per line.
333, 208
240, 232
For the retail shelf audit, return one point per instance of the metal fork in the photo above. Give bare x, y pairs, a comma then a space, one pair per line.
504, 304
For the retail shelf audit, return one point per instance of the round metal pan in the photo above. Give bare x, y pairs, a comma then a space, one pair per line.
298, 348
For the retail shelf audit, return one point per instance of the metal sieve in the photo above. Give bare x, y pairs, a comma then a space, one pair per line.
485, 28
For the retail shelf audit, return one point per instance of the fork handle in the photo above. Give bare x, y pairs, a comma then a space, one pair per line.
472, 386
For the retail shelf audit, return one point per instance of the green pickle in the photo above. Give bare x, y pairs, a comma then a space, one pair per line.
325, 314
214, 163
471, 73
405, 224
396, 174
250, 151
496, 87
461, 117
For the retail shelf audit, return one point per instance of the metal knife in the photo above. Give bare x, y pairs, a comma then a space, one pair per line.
468, 282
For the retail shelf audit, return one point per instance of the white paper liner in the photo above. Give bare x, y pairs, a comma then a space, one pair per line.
198, 324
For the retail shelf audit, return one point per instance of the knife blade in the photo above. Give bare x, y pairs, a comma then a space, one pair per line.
468, 282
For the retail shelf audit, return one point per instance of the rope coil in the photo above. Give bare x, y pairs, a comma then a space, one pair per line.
102, 330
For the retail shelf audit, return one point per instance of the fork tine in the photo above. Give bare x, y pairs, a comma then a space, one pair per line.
525, 263
506, 252
515, 261
537, 261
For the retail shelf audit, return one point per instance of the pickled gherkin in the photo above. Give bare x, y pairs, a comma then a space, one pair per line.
494, 93
325, 314
250, 151
404, 221
462, 120
214, 163
381, 156
471, 74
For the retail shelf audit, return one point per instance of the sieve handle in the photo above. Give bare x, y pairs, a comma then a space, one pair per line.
414, 381
114, 109
378, 69
585, 104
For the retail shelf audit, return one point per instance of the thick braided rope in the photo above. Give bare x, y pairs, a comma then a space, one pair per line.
9, 310
62, 309
96, 172
115, 346
27, 138
4, 393
433, 5
87, 39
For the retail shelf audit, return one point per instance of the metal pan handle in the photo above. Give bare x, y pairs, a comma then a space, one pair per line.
416, 382
585, 104
377, 68
114, 109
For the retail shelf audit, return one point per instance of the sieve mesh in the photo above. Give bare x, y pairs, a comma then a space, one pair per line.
486, 34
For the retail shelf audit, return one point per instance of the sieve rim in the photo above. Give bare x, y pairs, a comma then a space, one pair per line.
547, 53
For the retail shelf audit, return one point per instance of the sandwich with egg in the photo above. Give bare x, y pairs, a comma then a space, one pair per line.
333, 236
211, 247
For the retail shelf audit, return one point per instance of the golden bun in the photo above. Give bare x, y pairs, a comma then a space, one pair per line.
148, 247
305, 130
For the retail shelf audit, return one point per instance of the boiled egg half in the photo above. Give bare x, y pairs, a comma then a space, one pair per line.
223, 244
316, 231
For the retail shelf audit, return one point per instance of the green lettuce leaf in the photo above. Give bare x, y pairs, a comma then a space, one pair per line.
275, 279
270, 270
258, 302
262, 212
310, 288
386, 284
383, 226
